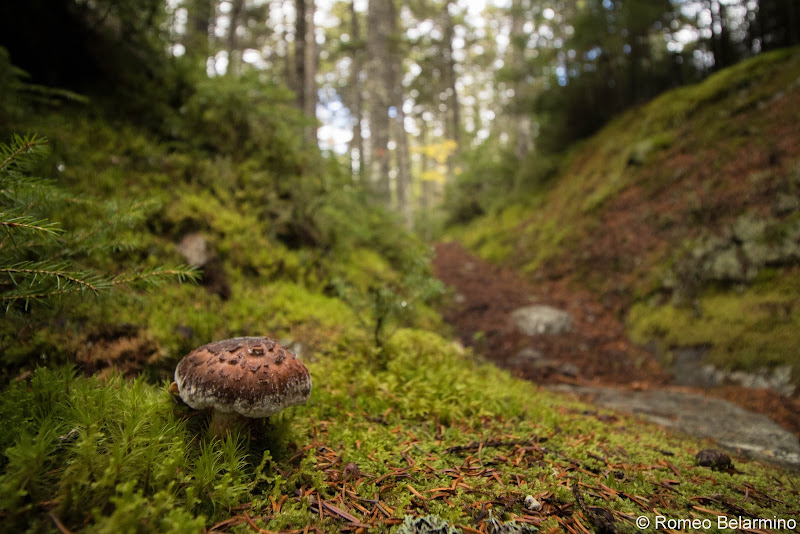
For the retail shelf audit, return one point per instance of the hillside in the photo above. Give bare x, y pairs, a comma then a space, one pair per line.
682, 219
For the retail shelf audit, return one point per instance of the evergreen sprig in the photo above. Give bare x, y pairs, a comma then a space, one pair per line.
39, 259
20, 155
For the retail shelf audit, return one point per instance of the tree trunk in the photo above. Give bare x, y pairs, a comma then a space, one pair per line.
379, 17
404, 184
454, 124
310, 73
356, 104
198, 29
300, 53
426, 186
523, 120
234, 54
453, 106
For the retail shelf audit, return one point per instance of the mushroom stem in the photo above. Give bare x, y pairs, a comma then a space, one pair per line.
223, 422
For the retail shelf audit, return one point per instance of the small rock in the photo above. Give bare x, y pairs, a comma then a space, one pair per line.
537, 320
194, 249
713, 458
532, 504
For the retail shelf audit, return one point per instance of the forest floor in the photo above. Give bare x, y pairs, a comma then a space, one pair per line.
597, 351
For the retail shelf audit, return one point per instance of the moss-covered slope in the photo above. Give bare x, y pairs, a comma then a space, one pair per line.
684, 212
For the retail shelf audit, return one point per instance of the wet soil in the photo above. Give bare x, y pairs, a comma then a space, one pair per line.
597, 349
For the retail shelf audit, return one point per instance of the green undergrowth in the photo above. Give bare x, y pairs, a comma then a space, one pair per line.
294, 248
419, 428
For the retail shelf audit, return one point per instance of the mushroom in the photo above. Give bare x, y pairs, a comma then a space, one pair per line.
243, 377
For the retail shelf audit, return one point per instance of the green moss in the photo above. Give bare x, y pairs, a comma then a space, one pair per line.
114, 451
396, 420
641, 151
748, 329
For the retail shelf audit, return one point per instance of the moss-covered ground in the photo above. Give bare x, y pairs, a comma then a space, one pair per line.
419, 429
649, 214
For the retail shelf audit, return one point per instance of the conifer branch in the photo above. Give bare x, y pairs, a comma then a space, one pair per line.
34, 268
156, 276
39, 275
19, 147
29, 223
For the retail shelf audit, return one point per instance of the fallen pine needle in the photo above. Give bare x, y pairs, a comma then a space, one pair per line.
59, 525
415, 492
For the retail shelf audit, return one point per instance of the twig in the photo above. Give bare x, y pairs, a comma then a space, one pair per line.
59, 525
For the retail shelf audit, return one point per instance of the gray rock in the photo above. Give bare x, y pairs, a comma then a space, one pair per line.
536, 320
690, 368
778, 379
743, 432
195, 250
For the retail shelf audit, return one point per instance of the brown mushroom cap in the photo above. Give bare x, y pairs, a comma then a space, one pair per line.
251, 376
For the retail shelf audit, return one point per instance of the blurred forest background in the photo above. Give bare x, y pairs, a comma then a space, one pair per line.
413, 97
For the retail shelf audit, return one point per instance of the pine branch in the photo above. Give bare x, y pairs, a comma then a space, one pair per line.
19, 147
155, 277
53, 94
37, 226
25, 205
38, 276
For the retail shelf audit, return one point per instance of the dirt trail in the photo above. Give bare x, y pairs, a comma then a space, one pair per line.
596, 352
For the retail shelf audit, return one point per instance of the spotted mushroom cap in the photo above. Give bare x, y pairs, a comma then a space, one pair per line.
251, 376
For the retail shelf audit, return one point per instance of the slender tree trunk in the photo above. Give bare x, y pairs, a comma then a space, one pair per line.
426, 186
453, 105
404, 185
403, 157
425, 200
289, 63
356, 105
379, 15
310, 72
198, 30
300, 52
523, 120
450, 62
234, 54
